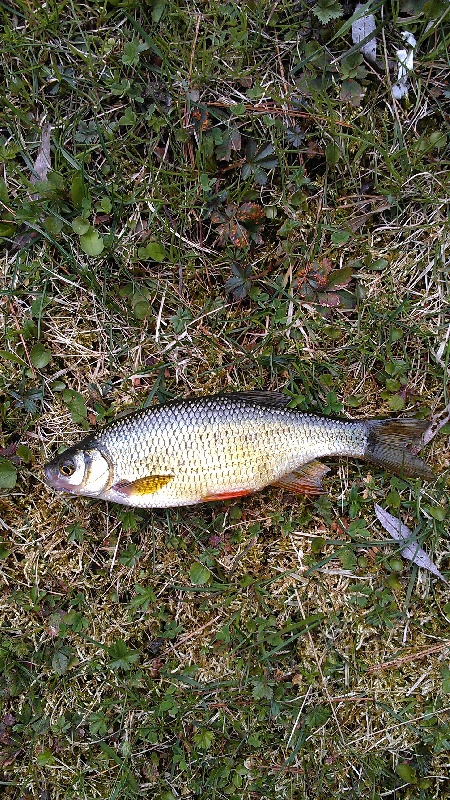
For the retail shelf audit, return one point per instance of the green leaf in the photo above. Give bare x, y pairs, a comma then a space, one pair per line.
347, 557
264, 157
60, 662
204, 739
130, 556
350, 64
4, 552
239, 283
332, 154
357, 528
407, 773
98, 723
77, 406
92, 243
326, 10
340, 237
129, 117
352, 92
434, 9
144, 596
7, 228
153, 251
78, 191
396, 403
158, 10
121, 657
392, 384
445, 675
378, 264
132, 51
199, 574
437, 512
40, 356
393, 499
142, 309
318, 544
396, 334
231, 141
80, 225
53, 225
12, 357
262, 691
45, 758
24, 453
340, 277
4, 197
106, 205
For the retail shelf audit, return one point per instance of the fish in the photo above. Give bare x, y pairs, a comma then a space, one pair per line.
225, 446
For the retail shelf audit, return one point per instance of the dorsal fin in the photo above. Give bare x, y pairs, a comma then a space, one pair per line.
259, 397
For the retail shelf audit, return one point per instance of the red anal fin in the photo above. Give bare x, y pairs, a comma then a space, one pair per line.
306, 480
227, 495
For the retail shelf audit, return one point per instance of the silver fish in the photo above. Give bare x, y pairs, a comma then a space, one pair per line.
224, 446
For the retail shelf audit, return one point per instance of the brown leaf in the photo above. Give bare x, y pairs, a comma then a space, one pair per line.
329, 299
217, 217
250, 212
238, 235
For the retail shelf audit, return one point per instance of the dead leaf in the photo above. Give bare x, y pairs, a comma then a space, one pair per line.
409, 545
43, 160
329, 299
250, 212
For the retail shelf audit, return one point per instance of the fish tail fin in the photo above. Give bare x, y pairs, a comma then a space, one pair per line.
389, 442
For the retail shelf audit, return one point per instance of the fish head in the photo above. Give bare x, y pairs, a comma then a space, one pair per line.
79, 471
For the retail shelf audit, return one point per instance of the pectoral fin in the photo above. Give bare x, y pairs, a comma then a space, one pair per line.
142, 486
306, 480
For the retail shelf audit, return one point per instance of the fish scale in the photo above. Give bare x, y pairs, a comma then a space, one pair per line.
188, 451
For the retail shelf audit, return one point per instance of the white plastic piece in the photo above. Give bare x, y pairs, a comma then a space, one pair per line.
405, 60
362, 28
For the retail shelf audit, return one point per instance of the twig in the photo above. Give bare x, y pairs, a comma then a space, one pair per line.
199, 630
397, 662
194, 45
269, 109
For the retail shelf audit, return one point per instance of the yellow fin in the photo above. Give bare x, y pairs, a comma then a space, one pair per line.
305, 480
142, 486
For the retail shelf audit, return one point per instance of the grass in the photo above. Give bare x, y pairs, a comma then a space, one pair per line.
234, 201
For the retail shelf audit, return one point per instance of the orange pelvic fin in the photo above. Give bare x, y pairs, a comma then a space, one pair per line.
142, 486
227, 495
306, 480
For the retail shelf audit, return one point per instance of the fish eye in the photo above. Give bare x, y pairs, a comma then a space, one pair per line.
67, 469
